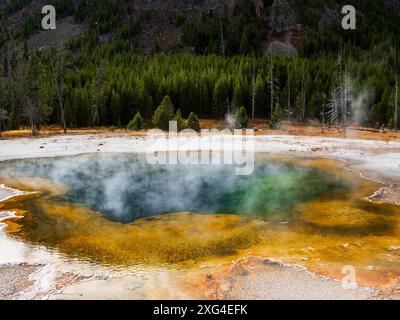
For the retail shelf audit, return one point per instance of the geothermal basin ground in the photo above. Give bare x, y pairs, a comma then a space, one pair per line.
32, 268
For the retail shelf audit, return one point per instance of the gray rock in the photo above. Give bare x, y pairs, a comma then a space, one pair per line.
283, 49
283, 17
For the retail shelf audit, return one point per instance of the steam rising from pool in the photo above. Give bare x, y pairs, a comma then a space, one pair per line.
331, 222
126, 188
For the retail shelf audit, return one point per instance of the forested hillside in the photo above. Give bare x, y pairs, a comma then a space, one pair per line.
281, 60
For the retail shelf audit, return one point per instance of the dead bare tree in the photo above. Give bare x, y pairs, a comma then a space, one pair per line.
223, 55
31, 113
342, 88
222, 37
57, 69
289, 94
253, 94
339, 110
396, 104
345, 103
29, 81
333, 108
97, 93
288, 40
323, 111
271, 70
303, 97
302, 101
396, 94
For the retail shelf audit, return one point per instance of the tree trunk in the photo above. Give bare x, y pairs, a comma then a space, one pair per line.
227, 104
342, 89
345, 104
271, 70
289, 97
222, 37
253, 100
303, 99
34, 129
323, 115
60, 100
396, 104
63, 120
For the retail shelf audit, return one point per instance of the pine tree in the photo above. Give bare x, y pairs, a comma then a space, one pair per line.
238, 96
179, 121
303, 95
193, 122
242, 120
116, 108
136, 123
164, 114
276, 116
3, 103
149, 106
220, 101
245, 42
260, 94
396, 94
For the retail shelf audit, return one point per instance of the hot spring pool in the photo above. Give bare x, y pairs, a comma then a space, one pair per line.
117, 209
126, 188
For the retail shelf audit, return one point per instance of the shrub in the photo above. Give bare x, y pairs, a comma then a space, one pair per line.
242, 120
180, 123
164, 114
193, 122
136, 123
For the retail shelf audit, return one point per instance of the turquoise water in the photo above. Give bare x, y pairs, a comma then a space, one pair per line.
126, 188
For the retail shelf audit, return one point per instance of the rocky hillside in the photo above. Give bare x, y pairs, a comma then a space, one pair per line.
123, 57
284, 26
